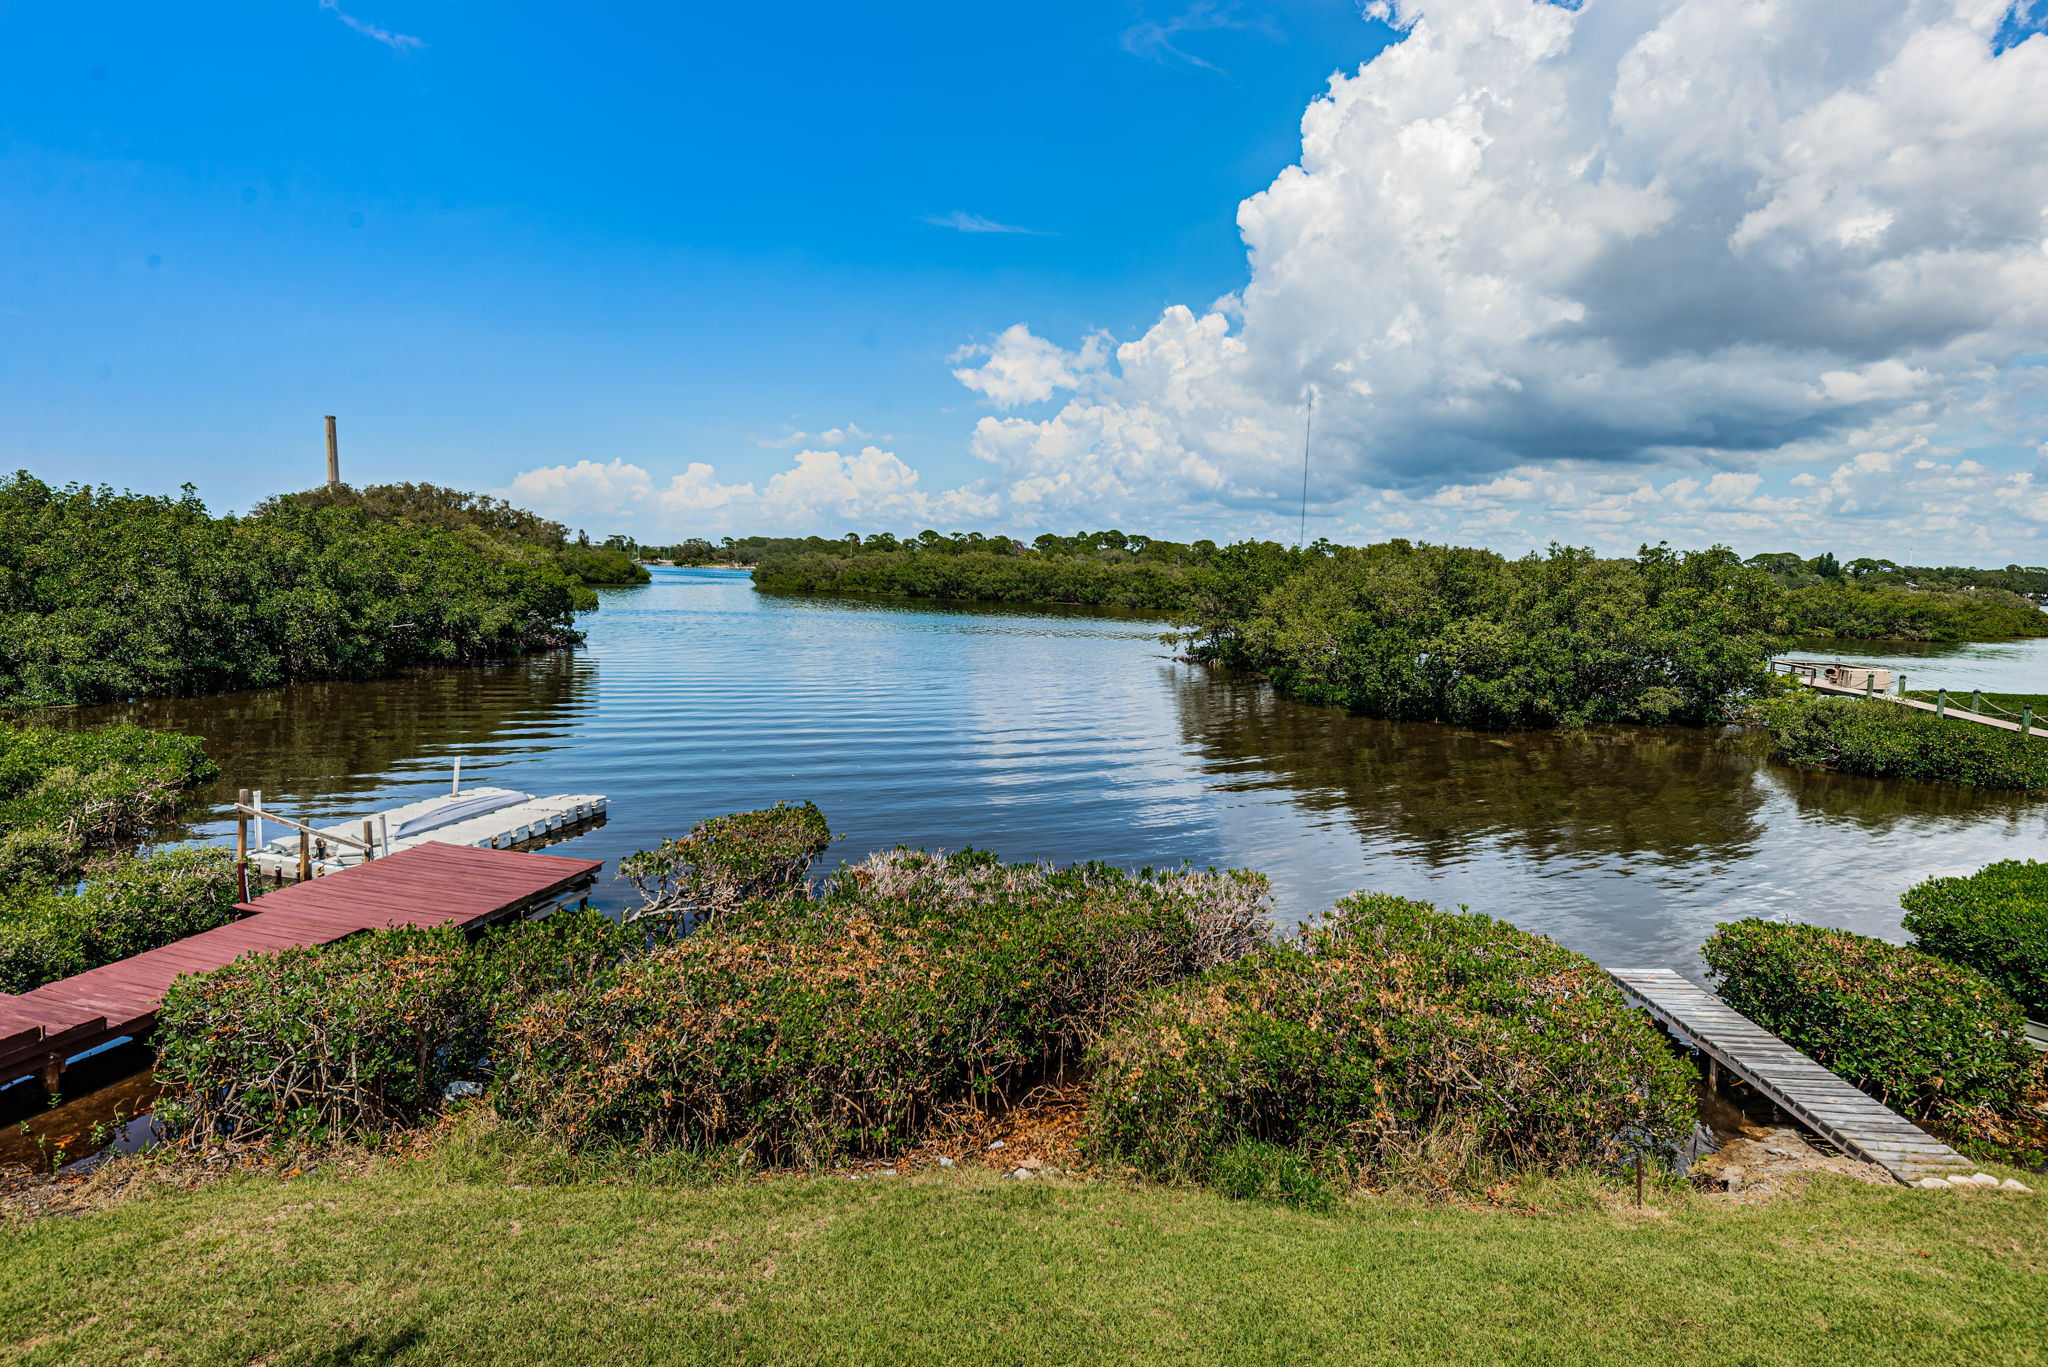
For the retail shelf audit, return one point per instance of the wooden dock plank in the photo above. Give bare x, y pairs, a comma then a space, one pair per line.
1822, 1101
428, 884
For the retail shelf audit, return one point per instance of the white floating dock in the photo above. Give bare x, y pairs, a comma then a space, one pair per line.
484, 818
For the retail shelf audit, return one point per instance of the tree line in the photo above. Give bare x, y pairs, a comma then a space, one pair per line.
433, 506
1411, 630
107, 595
1866, 599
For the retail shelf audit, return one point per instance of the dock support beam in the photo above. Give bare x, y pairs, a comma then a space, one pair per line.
242, 845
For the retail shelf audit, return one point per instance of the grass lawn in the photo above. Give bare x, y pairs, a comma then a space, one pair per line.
427, 1264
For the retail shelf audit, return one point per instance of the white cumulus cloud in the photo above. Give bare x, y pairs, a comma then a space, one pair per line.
1768, 272
869, 489
1696, 237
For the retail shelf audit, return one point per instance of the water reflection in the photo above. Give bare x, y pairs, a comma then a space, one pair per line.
105, 1105
1435, 791
1628, 843
314, 747
1069, 734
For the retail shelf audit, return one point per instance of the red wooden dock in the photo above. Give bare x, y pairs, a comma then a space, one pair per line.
426, 885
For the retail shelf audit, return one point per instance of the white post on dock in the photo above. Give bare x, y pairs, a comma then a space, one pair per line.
258, 804
1902, 685
242, 845
456, 786
383, 833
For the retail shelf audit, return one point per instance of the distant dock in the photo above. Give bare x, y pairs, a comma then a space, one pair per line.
1871, 685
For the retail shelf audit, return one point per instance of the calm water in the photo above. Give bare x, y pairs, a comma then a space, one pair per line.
1073, 735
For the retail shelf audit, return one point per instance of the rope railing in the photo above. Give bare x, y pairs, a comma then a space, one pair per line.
1940, 700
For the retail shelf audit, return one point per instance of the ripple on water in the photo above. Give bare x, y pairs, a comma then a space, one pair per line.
1071, 735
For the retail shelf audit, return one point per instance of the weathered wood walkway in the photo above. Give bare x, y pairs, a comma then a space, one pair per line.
1819, 1100
1959, 713
426, 885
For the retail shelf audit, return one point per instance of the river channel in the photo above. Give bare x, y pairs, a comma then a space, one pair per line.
1073, 735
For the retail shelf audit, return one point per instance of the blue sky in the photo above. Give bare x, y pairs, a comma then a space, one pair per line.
545, 233
1602, 273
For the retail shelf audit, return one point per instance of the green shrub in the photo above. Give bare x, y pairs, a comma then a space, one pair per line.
730, 860
1898, 613
1445, 633
106, 596
989, 576
1884, 740
807, 1029
601, 565
1926, 1037
349, 1038
1995, 921
364, 1035
139, 903
1382, 1028
66, 796
36, 946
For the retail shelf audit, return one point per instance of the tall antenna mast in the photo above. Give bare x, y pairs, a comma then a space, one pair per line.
1308, 428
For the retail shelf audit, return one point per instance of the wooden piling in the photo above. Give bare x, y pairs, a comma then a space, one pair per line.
305, 856
1941, 702
369, 840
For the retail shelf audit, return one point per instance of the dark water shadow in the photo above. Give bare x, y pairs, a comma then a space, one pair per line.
1433, 790
315, 743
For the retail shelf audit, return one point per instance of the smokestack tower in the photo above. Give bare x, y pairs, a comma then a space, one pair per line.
333, 455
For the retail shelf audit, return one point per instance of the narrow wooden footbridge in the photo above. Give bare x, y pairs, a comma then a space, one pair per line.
2025, 723
1824, 1103
425, 885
